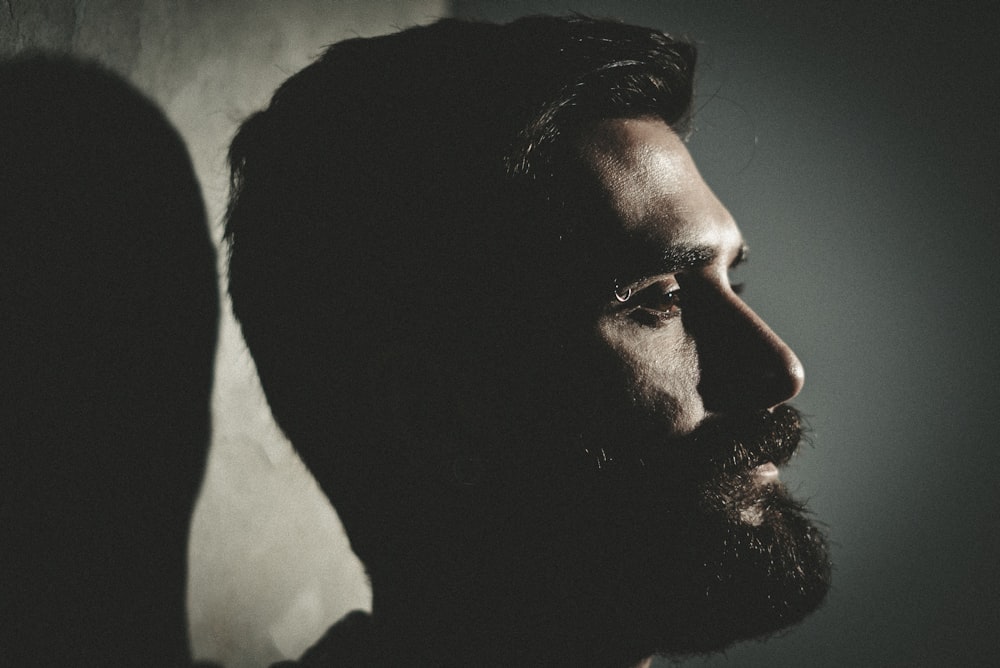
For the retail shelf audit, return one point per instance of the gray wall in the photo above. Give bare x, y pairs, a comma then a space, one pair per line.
270, 567
856, 146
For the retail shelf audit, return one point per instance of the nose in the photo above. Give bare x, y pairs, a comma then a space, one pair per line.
744, 364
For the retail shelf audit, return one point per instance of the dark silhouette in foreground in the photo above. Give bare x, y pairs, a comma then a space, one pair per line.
110, 311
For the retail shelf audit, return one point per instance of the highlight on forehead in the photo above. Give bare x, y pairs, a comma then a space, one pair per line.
624, 138
640, 164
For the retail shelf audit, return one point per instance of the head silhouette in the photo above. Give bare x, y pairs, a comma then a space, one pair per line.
457, 255
110, 312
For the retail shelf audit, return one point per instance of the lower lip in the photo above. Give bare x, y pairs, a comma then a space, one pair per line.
766, 472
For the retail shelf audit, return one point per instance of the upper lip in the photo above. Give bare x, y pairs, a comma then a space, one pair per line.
740, 443
722, 445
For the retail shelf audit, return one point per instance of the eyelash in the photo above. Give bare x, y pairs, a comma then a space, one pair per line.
655, 314
655, 304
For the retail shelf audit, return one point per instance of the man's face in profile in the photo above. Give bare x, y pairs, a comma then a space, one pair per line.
687, 344
647, 366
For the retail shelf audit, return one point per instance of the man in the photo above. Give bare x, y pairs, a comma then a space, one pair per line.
487, 293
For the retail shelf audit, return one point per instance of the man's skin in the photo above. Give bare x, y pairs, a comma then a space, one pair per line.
690, 346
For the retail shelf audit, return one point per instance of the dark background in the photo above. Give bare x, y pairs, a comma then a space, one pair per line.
856, 144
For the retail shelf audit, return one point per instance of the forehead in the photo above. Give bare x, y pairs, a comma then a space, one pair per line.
648, 181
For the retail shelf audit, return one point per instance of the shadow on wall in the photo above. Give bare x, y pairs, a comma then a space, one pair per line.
269, 568
110, 319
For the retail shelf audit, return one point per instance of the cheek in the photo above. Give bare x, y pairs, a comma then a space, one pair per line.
660, 368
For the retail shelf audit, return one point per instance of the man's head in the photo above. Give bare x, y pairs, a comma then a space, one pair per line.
487, 293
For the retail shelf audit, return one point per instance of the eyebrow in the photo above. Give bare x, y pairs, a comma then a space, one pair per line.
680, 258
674, 259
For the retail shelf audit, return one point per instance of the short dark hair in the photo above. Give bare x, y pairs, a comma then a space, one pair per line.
387, 173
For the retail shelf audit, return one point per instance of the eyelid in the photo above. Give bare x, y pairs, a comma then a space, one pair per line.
630, 296
649, 281
643, 303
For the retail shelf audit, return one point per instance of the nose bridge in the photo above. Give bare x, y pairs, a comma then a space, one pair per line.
744, 364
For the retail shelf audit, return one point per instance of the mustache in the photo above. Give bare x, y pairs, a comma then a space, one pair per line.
743, 441
726, 445
730, 444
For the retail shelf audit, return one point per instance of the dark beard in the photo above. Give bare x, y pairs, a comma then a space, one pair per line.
721, 446
742, 562
673, 548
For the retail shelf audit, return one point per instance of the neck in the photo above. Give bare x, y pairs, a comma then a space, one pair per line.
442, 624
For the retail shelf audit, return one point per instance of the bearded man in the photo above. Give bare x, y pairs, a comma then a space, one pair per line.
488, 296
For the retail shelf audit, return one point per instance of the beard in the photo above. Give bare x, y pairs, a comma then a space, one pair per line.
618, 543
741, 561
673, 549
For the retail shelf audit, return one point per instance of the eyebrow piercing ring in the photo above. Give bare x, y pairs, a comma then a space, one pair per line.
622, 296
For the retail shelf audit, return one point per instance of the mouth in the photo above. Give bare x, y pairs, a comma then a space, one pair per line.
751, 446
756, 443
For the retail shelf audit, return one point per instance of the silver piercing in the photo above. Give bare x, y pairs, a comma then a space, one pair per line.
622, 297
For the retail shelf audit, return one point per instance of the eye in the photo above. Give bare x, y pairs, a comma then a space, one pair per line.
655, 303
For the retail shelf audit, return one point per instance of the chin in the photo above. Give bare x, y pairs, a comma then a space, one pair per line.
677, 549
746, 564
677, 571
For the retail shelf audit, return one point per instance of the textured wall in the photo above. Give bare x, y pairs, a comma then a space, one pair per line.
270, 566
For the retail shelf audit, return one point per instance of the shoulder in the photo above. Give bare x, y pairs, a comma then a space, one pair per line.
346, 643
